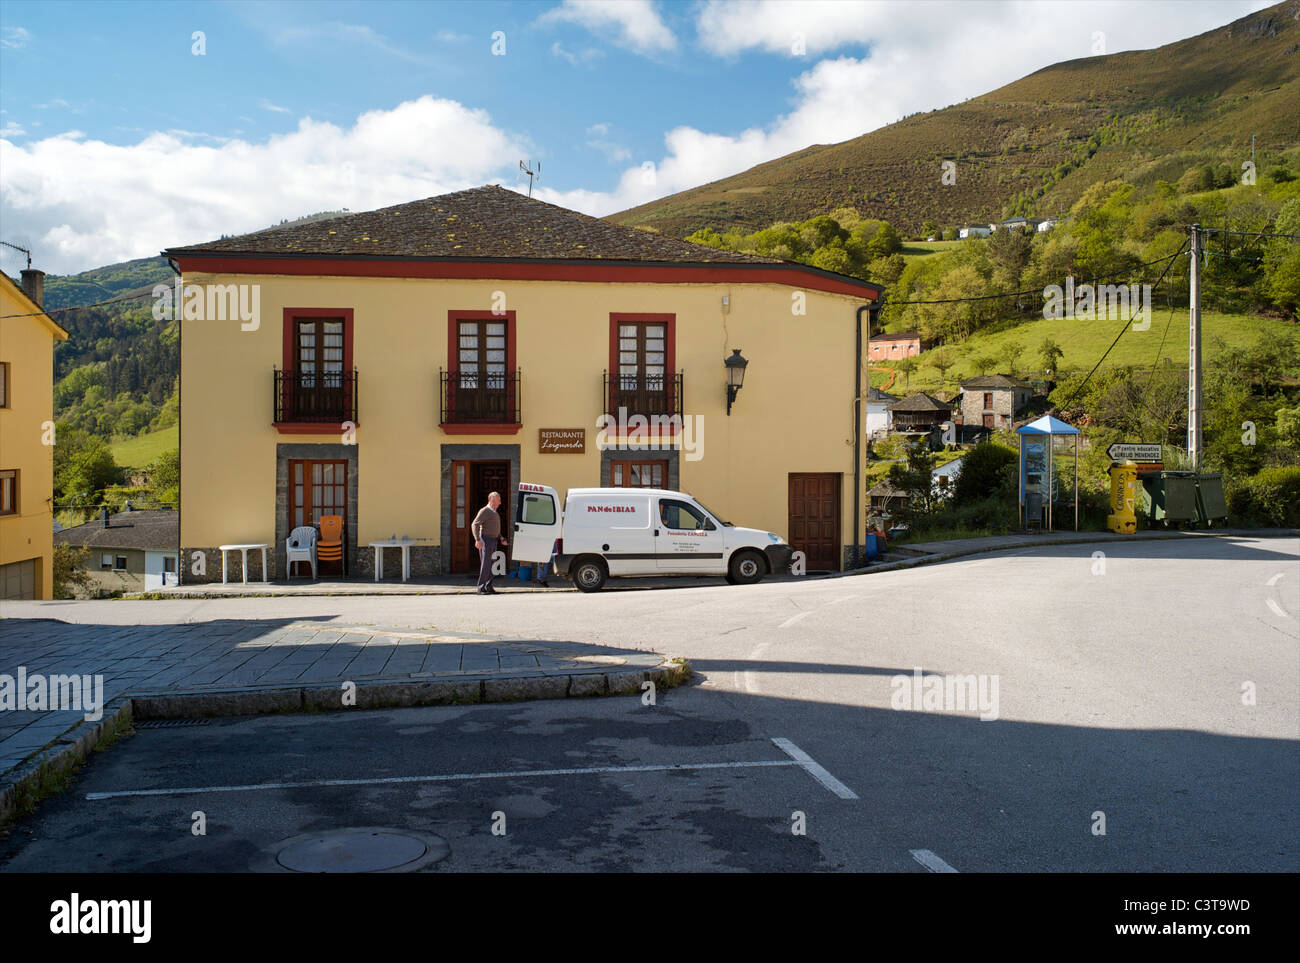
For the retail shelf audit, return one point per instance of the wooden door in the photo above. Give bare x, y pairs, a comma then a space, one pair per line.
815, 519
316, 488
318, 383
471, 483
643, 376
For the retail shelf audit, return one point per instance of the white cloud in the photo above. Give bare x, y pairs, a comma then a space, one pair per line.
450, 36
55, 102
584, 58
634, 24
85, 203
15, 37
10, 129
345, 35
274, 108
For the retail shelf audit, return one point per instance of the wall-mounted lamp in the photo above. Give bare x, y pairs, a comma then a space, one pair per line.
735, 375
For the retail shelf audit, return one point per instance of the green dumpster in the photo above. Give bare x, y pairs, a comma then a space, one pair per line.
1173, 497
1209, 497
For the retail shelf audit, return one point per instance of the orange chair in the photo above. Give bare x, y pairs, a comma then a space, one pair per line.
329, 547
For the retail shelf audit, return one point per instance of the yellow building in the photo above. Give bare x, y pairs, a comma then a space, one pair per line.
27, 336
394, 367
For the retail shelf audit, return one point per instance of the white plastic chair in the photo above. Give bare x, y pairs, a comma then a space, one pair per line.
300, 546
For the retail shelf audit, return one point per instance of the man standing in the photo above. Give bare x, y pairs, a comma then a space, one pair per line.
486, 529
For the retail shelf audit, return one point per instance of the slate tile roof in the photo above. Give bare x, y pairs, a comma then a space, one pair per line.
484, 222
154, 530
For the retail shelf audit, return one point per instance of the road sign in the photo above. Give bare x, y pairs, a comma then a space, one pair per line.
1125, 452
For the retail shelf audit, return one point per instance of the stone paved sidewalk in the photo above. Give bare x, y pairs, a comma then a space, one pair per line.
233, 656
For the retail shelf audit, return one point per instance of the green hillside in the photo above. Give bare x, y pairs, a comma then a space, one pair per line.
103, 283
1034, 146
144, 449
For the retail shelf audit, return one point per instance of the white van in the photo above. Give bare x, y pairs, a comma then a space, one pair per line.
601, 533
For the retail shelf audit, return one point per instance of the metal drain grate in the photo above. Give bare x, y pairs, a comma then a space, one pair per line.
171, 723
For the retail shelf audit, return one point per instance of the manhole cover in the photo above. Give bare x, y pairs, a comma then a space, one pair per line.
360, 851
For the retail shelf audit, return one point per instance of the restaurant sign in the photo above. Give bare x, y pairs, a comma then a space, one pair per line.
562, 441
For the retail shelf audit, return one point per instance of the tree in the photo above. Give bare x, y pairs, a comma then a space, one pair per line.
165, 477
69, 571
83, 464
885, 242
1009, 251
929, 229
941, 359
1011, 351
983, 363
915, 479
907, 366
985, 470
1049, 353
886, 270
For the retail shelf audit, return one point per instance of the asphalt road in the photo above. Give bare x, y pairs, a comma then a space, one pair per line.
1156, 688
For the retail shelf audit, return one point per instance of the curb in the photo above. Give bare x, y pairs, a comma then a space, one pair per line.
1091, 539
21, 791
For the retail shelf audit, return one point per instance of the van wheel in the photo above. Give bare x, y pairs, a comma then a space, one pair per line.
589, 575
746, 568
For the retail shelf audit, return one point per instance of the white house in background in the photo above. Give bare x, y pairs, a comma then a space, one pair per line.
878, 403
975, 230
1023, 223
944, 478
1047, 224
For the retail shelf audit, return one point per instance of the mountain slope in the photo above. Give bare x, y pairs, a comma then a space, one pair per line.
1035, 145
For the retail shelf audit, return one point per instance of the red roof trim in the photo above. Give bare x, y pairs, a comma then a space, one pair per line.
794, 275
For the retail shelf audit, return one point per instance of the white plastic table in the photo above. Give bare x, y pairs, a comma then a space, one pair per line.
243, 552
404, 544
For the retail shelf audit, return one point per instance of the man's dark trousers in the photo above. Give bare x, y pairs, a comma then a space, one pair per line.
485, 561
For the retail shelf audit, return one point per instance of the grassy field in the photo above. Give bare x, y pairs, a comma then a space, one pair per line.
1084, 342
144, 449
915, 249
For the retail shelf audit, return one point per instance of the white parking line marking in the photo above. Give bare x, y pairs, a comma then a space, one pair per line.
930, 861
793, 619
847, 598
1277, 609
448, 777
1275, 579
811, 766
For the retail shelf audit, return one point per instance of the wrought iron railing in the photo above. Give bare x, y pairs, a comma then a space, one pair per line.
328, 397
643, 395
480, 398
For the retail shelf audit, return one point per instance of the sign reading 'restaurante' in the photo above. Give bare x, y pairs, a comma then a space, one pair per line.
562, 441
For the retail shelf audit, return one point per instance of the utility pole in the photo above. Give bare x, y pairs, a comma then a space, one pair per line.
1194, 440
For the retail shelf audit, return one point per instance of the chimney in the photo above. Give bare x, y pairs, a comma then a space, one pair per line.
34, 285
103, 518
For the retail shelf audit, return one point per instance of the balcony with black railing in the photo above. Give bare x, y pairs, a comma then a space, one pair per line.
474, 399
645, 395
315, 397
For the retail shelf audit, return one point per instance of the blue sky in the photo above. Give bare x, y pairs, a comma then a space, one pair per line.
118, 138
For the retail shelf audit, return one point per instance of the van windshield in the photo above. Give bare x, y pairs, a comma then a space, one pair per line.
713, 513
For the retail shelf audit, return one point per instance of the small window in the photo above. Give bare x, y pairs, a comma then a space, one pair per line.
4, 384
119, 563
106, 561
682, 517
988, 399
537, 509
169, 563
9, 492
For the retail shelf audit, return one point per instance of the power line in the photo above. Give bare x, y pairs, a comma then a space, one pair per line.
1127, 322
79, 307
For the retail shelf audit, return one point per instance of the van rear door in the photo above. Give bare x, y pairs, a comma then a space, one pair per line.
538, 520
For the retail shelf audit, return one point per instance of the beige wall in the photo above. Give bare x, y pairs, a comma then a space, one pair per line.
793, 415
27, 345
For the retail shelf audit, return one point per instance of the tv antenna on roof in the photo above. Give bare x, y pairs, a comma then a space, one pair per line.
524, 169
23, 249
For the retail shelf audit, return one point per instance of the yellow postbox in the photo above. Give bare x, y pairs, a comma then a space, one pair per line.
1123, 499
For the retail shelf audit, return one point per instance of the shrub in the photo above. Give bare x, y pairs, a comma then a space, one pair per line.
1270, 498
